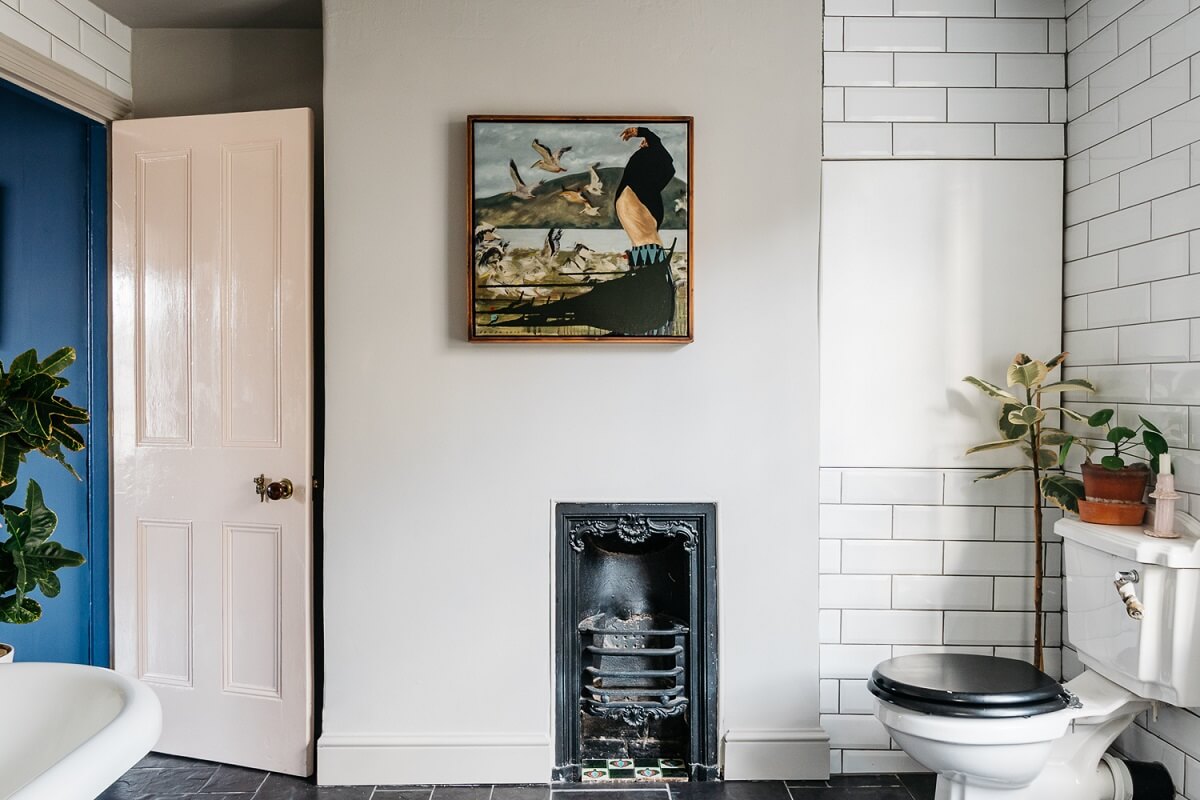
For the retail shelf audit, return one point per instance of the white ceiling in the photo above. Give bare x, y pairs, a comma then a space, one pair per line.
215, 13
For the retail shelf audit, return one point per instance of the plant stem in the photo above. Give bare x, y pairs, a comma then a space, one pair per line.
1035, 435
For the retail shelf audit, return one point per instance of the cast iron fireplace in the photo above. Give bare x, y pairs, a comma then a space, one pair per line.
636, 623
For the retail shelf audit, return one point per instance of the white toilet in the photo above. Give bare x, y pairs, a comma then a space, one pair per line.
998, 728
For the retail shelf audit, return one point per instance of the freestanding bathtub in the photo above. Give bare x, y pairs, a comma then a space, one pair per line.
69, 731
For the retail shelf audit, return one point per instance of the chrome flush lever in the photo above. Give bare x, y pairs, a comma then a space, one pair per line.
1124, 584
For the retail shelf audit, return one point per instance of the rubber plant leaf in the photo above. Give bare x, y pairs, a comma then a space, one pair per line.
1028, 415
1073, 385
1009, 429
990, 389
1067, 412
1062, 490
1002, 473
1027, 374
979, 448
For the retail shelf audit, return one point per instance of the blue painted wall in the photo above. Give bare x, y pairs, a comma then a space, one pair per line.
53, 292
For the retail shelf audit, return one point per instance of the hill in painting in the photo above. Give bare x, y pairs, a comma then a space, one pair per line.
547, 209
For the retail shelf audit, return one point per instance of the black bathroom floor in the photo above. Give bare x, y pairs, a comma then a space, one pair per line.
161, 777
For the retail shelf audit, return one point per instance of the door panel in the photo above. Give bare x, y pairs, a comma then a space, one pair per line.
212, 360
53, 292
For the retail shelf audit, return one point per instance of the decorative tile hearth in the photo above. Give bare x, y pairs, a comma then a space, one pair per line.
655, 770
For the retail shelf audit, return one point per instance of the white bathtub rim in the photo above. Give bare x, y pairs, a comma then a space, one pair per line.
99, 761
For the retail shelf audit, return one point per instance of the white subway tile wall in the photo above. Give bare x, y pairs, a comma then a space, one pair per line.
1132, 308
952, 79
920, 560
76, 34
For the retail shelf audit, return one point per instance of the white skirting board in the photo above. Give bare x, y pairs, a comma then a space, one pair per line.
357, 759
799, 754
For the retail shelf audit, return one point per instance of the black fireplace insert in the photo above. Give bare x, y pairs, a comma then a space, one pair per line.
636, 624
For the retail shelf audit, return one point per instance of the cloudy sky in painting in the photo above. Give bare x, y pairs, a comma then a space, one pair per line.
497, 142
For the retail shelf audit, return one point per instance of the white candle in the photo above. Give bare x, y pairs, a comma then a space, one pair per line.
1164, 464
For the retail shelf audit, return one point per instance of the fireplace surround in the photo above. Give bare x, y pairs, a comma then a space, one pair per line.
636, 640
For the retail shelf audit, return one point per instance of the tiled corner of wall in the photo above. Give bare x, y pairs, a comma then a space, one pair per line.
921, 561
945, 78
77, 34
1132, 247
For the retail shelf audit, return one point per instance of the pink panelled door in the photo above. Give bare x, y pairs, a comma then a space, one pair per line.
212, 388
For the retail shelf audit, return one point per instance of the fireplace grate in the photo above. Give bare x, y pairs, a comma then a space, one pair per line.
635, 668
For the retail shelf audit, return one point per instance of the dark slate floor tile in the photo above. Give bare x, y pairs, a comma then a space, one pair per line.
461, 792
164, 761
231, 779
125, 788
851, 793
609, 794
285, 787
730, 790
921, 785
864, 780
403, 792
186, 780
536, 792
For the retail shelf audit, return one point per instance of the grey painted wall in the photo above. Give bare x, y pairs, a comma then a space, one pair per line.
218, 70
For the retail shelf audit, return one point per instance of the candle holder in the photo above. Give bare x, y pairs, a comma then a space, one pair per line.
1165, 496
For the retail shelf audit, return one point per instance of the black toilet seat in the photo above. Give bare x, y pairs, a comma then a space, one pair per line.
964, 685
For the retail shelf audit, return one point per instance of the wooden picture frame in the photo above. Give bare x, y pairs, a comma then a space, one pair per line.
592, 242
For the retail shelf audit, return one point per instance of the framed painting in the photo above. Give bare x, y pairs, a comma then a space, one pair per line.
580, 228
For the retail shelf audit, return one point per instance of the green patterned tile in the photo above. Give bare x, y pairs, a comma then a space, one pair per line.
648, 773
672, 763
620, 775
593, 774
619, 763
594, 763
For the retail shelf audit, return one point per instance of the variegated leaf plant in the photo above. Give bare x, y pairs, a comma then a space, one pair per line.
1025, 421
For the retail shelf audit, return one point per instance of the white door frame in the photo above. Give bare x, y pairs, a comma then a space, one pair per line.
31, 70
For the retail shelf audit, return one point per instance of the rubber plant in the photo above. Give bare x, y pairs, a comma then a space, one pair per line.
34, 417
1024, 423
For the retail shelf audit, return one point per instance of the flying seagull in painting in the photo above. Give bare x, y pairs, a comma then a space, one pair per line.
548, 160
521, 190
641, 301
596, 186
577, 196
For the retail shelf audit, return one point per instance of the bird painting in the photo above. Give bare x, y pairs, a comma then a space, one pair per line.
595, 186
521, 190
551, 245
548, 160
618, 191
576, 195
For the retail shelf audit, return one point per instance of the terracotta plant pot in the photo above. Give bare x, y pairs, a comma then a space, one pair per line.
1111, 513
1127, 485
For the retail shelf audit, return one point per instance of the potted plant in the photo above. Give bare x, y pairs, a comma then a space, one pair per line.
1115, 489
1023, 422
33, 418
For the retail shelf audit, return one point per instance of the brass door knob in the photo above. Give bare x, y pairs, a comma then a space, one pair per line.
273, 490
